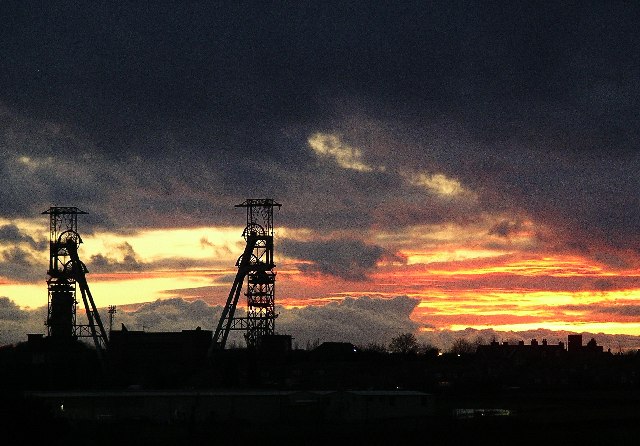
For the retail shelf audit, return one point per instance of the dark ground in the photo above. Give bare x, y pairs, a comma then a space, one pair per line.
565, 400
609, 417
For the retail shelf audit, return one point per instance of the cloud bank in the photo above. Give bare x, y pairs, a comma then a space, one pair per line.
361, 321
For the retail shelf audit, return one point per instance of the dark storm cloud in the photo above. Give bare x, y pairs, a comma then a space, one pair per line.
129, 261
618, 309
9, 311
17, 322
125, 259
169, 114
19, 264
623, 310
541, 282
347, 259
505, 228
11, 234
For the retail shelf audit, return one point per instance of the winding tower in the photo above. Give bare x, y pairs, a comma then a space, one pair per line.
66, 274
256, 266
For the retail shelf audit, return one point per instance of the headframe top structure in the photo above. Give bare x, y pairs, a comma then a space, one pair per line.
63, 218
260, 211
63, 210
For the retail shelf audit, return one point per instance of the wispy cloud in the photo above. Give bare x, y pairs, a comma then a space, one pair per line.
331, 146
440, 184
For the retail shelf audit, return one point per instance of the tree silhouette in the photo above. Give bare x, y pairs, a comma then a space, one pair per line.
427, 349
405, 343
463, 347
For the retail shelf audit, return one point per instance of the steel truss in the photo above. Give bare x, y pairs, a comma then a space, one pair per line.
66, 274
256, 265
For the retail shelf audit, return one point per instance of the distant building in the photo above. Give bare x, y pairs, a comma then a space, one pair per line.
534, 350
576, 347
540, 350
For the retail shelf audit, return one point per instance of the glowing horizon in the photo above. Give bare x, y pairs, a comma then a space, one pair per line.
458, 285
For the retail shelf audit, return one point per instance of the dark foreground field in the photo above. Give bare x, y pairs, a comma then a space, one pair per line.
509, 417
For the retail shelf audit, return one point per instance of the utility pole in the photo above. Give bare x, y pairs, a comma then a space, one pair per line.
112, 312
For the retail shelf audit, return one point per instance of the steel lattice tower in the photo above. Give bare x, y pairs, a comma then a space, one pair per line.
256, 265
65, 274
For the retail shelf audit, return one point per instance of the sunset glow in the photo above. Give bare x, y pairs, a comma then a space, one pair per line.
457, 287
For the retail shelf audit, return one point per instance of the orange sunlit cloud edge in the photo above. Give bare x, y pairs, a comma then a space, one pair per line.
456, 286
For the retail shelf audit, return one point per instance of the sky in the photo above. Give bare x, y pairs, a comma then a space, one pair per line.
444, 168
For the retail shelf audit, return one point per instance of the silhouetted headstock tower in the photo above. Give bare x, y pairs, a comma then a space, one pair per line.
256, 264
66, 273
